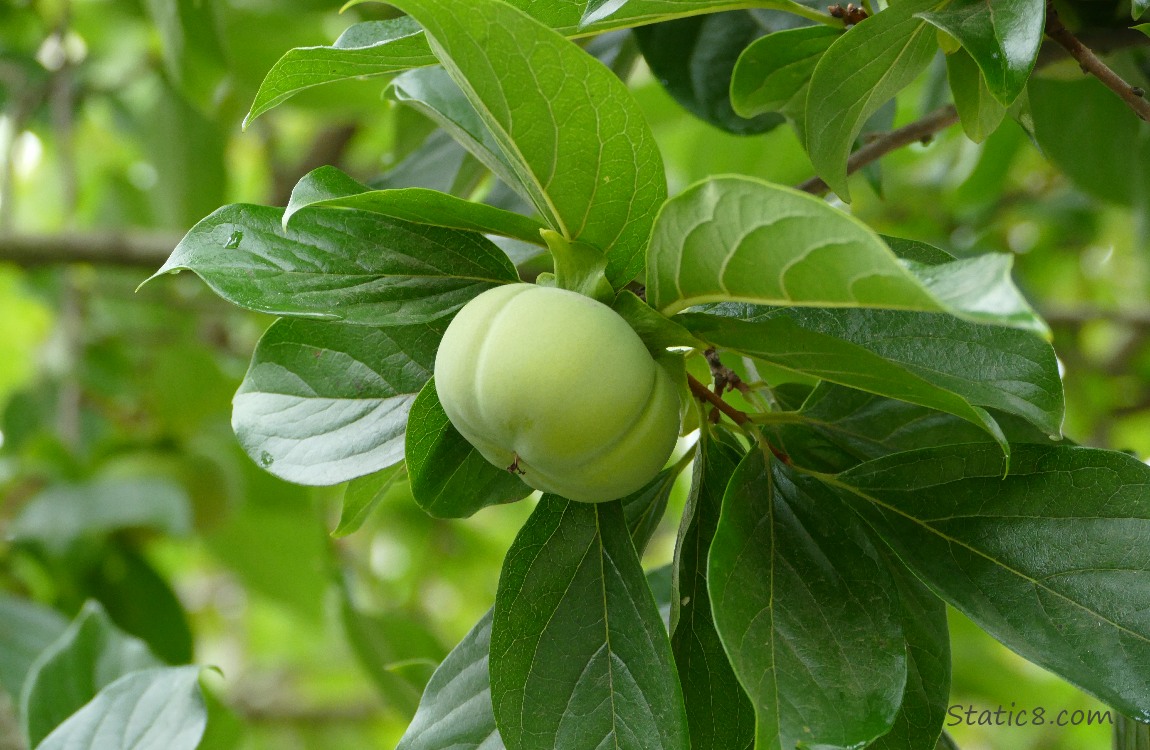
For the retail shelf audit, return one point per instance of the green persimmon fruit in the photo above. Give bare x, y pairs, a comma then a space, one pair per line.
557, 387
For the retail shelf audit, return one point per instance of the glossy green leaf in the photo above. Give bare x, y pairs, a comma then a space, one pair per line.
455, 712
927, 694
332, 264
999, 368
546, 119
719, 714
60, 515
1002, 37
781, 341
327, 186
979, 111
323, 403
579, 654
838, 428
90, 655
865, 67
693, 58
26, 629
363, 495
773, 73
154, 709
737, 239
644, 508
371, 48
604, 14
1050, 560
449, 478
805, 607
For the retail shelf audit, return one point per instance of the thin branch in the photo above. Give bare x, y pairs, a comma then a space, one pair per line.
920, 130
1076, 317
135, 250
1090, 62
703, 392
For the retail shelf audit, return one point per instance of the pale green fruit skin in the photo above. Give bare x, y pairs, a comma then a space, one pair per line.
562, 382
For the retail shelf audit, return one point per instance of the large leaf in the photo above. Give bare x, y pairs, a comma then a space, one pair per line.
449, 478
926, 696
694, 58
339, 265
719, 714
864, 68
323, 403
153, 709
551, 119
988, 366
455, 711
838, 428
327, 186
1003, 37
781, 341
26, 629
1051, 560
773, 73
740, 239
807, 611
63, 514
90, 655
579, 654
371, 48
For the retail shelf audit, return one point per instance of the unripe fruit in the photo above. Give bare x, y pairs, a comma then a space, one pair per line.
558, 387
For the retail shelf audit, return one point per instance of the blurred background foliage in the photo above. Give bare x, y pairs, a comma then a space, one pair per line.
120, 479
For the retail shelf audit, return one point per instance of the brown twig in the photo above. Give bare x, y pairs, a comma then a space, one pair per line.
105, 248
920, 130
1090, 63
701, 391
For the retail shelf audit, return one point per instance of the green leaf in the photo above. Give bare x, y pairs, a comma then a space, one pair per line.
332, 264
807, 611
363, 495
979, 111
719, 714
999, 368
381, 642
838, 428
657, 331
693, 58
61, 515
26, 629
773, 73
323, 403
90, 655
455, 712
868, 65
737, 239
1138, 7
926, 696
154, 709
1050, 560
547, 119
449, 478
1002, 36
327, 186
781, 341
190, 46
1068, 115
579, 655
605, 14
371, 48
141, 601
